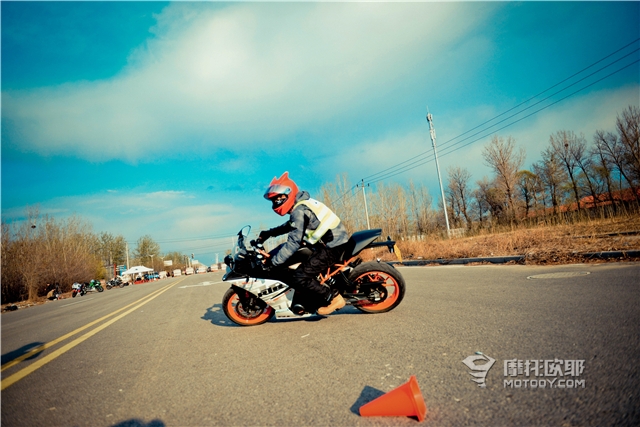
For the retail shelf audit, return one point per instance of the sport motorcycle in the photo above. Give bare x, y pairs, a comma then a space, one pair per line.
78, 288
256, 295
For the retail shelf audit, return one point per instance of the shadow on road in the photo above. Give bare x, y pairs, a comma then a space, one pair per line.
367, 395
216, 316
22, 350
139, 423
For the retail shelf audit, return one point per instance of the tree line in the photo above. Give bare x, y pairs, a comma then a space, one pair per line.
573, 178
43, 250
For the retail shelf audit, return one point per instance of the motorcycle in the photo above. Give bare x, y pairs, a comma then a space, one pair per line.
116, 281
78, 288
255, 295
94, 284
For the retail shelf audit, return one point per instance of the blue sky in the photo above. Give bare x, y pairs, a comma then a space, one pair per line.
169, 119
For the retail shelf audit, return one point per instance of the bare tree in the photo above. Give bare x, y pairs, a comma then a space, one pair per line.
146, 249
112, 249
530, 187
480, 207
505, 160
492, 196
552, 175
602, 165
420, 205
460, 193
341, 198
628, 126
613, 152
389, 210
567, 148
41, 250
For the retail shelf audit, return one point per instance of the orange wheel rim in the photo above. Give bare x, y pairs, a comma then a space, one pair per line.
393, 289
234, 305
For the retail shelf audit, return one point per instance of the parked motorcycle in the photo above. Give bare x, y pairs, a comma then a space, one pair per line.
255, 295
116, 282
78, 288
94, 284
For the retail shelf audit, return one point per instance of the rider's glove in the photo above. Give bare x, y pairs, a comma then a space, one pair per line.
264, 235
266, 265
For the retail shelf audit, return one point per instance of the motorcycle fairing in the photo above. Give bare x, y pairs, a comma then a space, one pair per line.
278, 295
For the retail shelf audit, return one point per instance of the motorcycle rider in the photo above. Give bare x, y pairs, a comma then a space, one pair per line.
311, 224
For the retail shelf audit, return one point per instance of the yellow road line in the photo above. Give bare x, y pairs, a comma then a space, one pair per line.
70, 334
6, 382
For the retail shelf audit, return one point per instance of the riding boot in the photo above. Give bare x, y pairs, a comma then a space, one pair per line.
336, 304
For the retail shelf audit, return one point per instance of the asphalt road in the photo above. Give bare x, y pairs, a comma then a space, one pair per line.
164, 354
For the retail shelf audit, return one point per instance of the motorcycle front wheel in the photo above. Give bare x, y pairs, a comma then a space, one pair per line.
100, 288
385, 286
74, 293
255, 313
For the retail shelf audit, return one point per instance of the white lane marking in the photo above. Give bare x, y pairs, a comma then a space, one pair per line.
201, 284
77, 302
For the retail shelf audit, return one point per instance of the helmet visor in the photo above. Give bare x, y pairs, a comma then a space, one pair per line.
276, 190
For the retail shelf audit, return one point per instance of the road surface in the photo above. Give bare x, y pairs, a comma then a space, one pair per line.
164, 354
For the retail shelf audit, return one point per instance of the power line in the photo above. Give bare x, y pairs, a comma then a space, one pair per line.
193, 239
421, 156
546, 90
406, 169
544, 99
426, 157
344, 194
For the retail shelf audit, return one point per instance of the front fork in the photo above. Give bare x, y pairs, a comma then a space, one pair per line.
248, 300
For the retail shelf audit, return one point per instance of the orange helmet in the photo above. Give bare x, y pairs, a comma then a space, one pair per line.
279, 187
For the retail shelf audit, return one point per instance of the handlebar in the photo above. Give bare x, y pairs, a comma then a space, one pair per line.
259, 247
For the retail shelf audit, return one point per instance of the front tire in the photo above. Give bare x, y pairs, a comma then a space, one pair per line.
256, 314
391, 279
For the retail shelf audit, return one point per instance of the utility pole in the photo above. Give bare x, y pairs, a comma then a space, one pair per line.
127, 245
364, 196
432, 132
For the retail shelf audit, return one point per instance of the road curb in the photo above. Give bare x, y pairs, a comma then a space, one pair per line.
517, 258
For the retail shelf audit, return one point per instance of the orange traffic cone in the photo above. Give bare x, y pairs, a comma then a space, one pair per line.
405, 400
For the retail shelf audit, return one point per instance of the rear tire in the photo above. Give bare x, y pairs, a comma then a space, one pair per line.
375, 272
242, 316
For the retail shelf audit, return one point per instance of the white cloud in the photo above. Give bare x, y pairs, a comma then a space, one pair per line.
175, 216
238, 73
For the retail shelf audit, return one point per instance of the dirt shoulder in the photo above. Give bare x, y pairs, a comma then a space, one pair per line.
561, 244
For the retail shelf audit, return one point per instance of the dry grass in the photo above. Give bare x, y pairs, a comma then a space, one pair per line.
540, 245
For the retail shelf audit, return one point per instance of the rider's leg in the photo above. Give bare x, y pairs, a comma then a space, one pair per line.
305, 280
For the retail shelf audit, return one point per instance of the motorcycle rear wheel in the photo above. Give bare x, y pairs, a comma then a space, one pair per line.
391, 279
245, 316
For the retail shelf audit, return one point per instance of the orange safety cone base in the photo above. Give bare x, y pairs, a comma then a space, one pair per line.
405, 400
